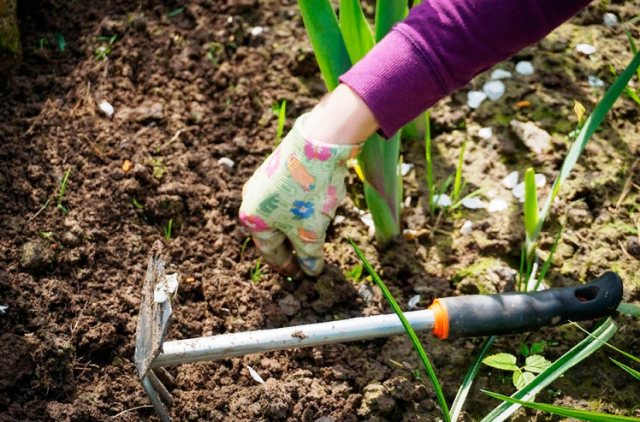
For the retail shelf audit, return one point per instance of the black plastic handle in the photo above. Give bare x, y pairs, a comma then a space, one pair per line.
509, 313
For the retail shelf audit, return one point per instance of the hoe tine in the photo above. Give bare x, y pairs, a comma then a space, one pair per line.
164, 376
161, 410
160, 388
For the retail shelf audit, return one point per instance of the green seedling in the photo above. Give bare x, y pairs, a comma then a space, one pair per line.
428, 160
103, 51
280, 110
60, 41
629, 309
46, 235
214, 49
244, 246
337, 45
167, 229
355, 273
136, 204
61, 192
534, 349
633, 94
457, 181
534, 364
43, 43
175, 12
256, 273
409, 330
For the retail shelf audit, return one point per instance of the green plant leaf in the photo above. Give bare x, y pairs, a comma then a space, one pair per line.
321, 24
627, 368
537, 347
354, 273
592, 123
429, 161
522, 378
457, 182
610, 346
565, 362
629, 309
465, 387
567, 412
536, 363
524, 350
410, 332
530, 205
355, 29
504, 361
388, 12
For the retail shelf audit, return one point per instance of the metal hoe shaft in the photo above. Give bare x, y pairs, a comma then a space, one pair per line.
239, 344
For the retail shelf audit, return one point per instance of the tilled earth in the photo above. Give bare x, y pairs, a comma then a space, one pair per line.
192, 83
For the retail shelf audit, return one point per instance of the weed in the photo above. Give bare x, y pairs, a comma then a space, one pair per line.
61, 192
46, 235
103, 51
244, 246
167, 229
256, 272
60, 41
280, 110
175, 12
136, 204
428, 160
355, 273
534, 364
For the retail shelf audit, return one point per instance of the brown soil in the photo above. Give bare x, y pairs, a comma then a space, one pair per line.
197, 86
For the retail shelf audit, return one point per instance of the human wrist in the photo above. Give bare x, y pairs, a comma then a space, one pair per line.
341, 118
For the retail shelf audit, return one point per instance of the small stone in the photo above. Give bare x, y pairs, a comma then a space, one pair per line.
289, 305
339, 219
541, 180
405, 168
518, 191
500, 74
413, 302
126, 166
367, 219
254, 374
467, 228
494, 89
474, 203
106, 108
69, 239
227, 162
633, 246
609, 20
37, 256
3, 309
485, 133
365, 292
536, 139
442, 200
497, 205
585, 48
525, 68
475, 98
595, 82
511, 180
256, 30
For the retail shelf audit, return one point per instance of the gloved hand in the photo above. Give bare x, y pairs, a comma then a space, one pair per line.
289, 201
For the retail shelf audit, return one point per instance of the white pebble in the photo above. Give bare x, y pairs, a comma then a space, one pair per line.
500, 74
413, 302
595, 82
3, 309
609, 20
494, 89
160, 293
257, 30
497, 205
473, 203
442, 200
475, 98
256, 377
524, 68
585, 48
540, 179
467, 228
172, 282
339, 219
407, 202
485, 132
367, 219
511, 180
227, 162
518, 190
405, 168
106, 108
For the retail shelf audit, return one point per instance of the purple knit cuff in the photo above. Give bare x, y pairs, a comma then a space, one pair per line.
395, 80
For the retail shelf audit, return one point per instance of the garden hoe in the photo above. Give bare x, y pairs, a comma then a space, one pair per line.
451, 317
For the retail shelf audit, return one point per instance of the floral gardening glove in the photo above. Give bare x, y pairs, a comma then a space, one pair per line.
294, 195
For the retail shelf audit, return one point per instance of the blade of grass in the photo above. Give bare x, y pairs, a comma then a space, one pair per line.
463, 391
410, 332
429, 162
610, 346
547, 263
355, 29
565, 362
627, 368
282, 116
388, 12
588, 129
530, 207
629, 309
567, 412
322, 27
457, 182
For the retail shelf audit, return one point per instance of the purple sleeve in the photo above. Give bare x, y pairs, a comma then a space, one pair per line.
441, 45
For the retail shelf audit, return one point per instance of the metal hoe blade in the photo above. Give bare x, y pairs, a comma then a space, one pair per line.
153, 321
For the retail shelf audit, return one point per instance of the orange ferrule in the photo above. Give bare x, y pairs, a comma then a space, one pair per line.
441, 319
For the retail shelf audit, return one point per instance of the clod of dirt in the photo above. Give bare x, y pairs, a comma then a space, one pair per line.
289, 305
633, 246
147, 111
579, 215
376, 400
14, 359
37, 256
536, 139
